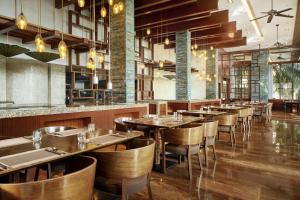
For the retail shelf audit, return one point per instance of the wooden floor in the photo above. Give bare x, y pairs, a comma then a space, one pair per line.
266, 167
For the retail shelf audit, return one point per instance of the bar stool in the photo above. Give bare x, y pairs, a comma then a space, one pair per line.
183, 141
227, 124
125, 172
76, 184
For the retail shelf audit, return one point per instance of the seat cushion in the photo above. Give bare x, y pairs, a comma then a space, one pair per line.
115, 186
181, 150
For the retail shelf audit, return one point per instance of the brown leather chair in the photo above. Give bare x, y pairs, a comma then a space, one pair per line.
183, 141
125, 172
210, 130
76, 184
227, 124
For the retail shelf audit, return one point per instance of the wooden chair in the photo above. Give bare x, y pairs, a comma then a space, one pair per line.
183, 141
210, 130
76, 184
227, 124
125, 172
243, 121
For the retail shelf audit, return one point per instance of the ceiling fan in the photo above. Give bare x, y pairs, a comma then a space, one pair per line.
271, 13
277, 43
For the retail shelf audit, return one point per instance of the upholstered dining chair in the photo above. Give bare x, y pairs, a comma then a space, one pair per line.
227, 124
77, 184
243, 116
125, 172
210, 130
183, 141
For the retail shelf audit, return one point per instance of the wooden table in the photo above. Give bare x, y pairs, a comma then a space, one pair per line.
203, 113
162, 122
227, 109
68, 144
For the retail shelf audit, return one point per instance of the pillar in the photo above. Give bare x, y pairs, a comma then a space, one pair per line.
122, 63
183, 65
212, 75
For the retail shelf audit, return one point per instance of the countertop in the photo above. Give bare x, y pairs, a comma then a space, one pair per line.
35, 110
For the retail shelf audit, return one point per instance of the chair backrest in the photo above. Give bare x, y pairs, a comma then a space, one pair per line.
190, 134
227, 119
210, 128
78, 184
120, 125
126, 164
243, 112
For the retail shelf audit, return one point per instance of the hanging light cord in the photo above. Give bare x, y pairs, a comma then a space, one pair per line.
63, 17
40, 18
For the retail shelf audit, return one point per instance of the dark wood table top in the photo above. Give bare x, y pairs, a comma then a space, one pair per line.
204, 112
69, 145
227, 108
164, 121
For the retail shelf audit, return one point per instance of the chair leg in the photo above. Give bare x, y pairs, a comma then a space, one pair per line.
149, 188
190, 163
124, 190
163, 157
206, 155
37, 174
49, 173
199, 159
214, 151
231, 138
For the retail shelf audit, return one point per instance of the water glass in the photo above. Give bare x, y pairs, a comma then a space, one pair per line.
81, 137
36, 136
91, 127
175, 115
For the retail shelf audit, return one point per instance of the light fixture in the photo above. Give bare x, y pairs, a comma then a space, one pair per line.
95, 79
213, 56
192, 47
161, 64
231, 35
116, 9
103, 12
148, 31
194, 52
111, 2
211, 47
196, 46
167, 41
109, 85
21, 21
39, 42
142, 65
92, 53
230, 1
251, 15
91, 64
62, 49
81, 3
121, 6
101, 58
206, 58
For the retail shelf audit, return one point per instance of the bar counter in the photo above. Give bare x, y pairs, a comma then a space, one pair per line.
22, 121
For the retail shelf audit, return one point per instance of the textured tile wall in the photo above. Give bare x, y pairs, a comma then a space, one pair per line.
2, 78
56, 84
212, 71
183, 65
122, 54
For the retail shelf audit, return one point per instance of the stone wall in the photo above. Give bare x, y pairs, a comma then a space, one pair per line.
34, 82
183, 65
123, 55
212, 71
2, 78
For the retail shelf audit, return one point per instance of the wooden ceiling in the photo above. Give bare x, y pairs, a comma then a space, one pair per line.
166, 17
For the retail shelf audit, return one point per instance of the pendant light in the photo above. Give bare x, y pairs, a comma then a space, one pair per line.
103, 12
21, 21
161, 64
116, 9
142, 65
101, 58
39, 42
167, 41
92, 52
148, 31
62, 47
111, 2
211, 47
121, 6
81, 3
90, 64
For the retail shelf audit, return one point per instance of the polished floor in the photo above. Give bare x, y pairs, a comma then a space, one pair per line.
265, 167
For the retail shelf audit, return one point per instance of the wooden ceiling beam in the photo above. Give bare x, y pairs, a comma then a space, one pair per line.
215, 19
159, 6
148, 3
58, 4
186, 11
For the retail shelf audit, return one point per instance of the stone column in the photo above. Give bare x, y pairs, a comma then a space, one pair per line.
183, 65
122, 63
212, 73
264, 75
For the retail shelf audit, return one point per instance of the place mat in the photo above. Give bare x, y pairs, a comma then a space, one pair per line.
105, 139
66, 133
14, 142
26, 158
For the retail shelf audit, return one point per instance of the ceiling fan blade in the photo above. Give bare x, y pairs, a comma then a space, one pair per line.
264, 12
282, 15
281, 11
270, 19
259, 17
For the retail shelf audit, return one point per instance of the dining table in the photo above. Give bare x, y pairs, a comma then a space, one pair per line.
21, 153
204, 113
157, 123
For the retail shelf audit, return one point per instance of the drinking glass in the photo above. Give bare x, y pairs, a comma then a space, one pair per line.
36, 136
81, 137
91, 127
